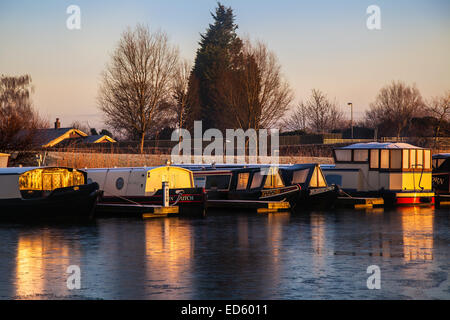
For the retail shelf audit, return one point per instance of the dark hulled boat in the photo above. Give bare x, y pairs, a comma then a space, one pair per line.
303, 186
315, 193
441, 173
46, 193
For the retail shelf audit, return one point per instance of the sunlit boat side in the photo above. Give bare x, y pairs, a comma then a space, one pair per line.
143, 185
38, 193
399, 172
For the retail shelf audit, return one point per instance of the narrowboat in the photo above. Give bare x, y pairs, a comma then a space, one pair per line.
303, 185
441, 173
314, 189
143, 185
40, 193
400, 173
252, 183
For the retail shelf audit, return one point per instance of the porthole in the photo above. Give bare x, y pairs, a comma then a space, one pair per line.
119, 183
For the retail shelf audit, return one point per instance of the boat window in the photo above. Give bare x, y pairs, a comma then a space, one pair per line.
119, 183
317, 179
49, 179
220, 182
396, 159
242, 181
437, 163
343, 155
405, 159
419, 162
384, 159
321, 179
374, 160
361, 155
427, 159
412, 159
300, 176
313, 181
257, 180
278, 180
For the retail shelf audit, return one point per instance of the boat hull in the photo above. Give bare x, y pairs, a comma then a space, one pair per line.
191, 201
394, 199
63, 203
316, 198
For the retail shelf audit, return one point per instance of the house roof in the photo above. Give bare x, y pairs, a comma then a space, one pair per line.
98, 138
383, 145
51, 137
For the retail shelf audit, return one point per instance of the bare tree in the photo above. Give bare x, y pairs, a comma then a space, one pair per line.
439, 107
137, 81
86, 128
180, 91
297, 120
394, 107
318, 113
18, 119
254, 91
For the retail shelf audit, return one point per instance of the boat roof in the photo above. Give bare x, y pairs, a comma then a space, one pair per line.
118, 169
441, 156
16, 170
20, 170
380, 145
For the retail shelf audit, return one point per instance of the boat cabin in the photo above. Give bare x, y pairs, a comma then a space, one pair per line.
142, 181
306, 175
36, 182
374, 166
398, 168
441, 173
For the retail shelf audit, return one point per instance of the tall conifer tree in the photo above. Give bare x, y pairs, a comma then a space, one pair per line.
219, 48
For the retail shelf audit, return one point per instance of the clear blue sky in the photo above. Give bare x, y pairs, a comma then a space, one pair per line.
320, 44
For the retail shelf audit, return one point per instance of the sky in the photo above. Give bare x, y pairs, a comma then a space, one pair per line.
320, 44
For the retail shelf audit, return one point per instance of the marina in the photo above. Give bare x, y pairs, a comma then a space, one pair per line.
233, 255
365, 176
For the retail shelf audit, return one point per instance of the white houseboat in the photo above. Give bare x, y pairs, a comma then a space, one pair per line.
143, 185
399, 172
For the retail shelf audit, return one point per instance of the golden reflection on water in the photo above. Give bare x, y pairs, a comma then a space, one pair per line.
275, 222
417, 224
318, 232
38, 259
318, 242
169, 246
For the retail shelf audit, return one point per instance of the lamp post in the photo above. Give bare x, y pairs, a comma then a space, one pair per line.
351, 119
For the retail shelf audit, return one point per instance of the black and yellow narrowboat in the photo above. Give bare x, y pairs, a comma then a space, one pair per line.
36, 193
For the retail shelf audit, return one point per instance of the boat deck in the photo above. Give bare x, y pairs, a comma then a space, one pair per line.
443, 200
259, 206
147, 211
359, 202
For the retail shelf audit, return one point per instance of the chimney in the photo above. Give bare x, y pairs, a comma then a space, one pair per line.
57, 124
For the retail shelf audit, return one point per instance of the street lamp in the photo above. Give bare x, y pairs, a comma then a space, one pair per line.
351, 119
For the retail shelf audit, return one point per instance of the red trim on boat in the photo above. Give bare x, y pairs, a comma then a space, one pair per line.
414, 200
